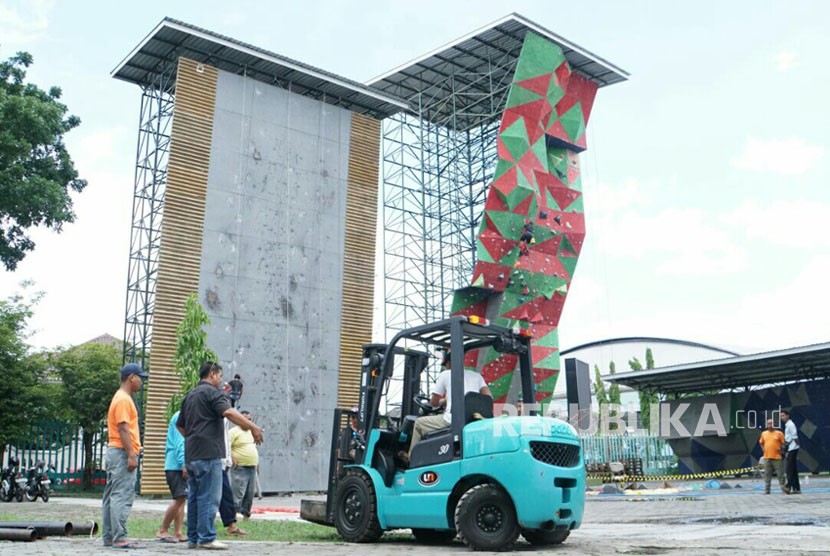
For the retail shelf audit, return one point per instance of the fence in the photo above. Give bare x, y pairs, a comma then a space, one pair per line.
61, 447
653, 454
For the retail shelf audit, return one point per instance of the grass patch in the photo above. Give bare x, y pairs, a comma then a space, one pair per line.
97, 494
271, 531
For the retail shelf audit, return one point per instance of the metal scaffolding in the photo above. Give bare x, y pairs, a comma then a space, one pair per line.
439, 158
437, 164
155, 122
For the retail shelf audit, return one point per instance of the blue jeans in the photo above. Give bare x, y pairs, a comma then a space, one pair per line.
204, 484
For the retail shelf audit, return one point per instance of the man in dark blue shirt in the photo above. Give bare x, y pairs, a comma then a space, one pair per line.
201, 423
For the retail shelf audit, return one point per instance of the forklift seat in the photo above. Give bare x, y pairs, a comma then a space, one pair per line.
477, 406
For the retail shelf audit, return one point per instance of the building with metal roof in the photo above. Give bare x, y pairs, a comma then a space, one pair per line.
741, 372
462, 84
171, 39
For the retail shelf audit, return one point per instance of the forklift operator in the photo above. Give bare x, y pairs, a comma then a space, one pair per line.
442, 396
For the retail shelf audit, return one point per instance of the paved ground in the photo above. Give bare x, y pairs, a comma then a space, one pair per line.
737, 521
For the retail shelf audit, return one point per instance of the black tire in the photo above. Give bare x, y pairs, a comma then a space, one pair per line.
486, 519
433, 536
44, 494
355, 509
539, 538
31, 495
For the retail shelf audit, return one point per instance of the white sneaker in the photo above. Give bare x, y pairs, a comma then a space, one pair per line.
215, 545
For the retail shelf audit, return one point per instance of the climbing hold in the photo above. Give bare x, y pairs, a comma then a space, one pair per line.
557, 219
543, 215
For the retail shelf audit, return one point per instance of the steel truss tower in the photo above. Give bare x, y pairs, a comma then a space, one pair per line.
157, 99
440, 156
435, 176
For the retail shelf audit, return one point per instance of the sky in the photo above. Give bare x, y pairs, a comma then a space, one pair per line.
705, 179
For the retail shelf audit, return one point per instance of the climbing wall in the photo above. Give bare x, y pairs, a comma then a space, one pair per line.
533, 224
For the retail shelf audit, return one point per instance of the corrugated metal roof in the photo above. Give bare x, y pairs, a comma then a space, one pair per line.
172, 39
773, 367
464, 83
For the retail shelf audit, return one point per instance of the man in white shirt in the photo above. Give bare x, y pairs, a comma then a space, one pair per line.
442, 395
791, 439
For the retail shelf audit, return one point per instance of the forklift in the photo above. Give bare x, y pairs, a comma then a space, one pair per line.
486, 479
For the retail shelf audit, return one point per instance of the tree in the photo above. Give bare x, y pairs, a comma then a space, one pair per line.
21, 403
90, 375
599, 388
36, 171
614, 395
191, 350
646, 398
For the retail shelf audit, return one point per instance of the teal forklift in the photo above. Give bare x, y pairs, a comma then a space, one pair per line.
486, 479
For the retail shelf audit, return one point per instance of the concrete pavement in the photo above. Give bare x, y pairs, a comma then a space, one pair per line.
734, 521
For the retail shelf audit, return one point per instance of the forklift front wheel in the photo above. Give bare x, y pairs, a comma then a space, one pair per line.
485, 518
355, 509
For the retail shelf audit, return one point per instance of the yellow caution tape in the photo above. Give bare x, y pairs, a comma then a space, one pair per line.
608, 477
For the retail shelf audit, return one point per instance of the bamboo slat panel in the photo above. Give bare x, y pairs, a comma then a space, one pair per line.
181, 250
359, 254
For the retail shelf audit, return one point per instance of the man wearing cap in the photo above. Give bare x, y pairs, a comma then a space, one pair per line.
122, 459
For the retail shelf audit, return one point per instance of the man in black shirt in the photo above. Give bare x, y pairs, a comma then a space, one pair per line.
201, 424
236, 390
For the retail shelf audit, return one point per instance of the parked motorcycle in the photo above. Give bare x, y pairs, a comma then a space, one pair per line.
11, 483
37, 483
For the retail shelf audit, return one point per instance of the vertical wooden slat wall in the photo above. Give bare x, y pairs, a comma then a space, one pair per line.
359, 254
181, 250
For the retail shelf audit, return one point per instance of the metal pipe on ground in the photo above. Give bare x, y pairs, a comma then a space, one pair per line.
90, 528
26, 535
43, 528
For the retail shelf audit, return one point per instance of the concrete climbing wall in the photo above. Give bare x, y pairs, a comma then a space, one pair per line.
272, 266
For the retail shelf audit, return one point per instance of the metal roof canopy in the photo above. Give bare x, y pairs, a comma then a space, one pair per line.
801, 363
492, 52
171, 39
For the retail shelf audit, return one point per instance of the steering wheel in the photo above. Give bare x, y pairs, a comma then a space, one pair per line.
422, 401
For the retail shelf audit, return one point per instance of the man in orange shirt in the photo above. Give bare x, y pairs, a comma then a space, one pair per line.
122, 459
771, 441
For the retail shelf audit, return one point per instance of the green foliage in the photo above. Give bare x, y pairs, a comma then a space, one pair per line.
22, 400
90, 376
646, 398
599, 388
614, 395
36, 171
191, 350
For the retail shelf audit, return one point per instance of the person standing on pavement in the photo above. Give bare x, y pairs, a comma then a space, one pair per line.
245, 462
791, 439
201, 422
176, 474
123, 450
771, 441
227, 509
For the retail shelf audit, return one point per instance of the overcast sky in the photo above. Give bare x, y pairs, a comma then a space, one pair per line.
706, 175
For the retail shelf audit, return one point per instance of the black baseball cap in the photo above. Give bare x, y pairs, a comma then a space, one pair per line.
133, 369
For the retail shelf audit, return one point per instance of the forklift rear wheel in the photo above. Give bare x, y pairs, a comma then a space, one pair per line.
433, 536
485, 518
355, 509
555, 536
